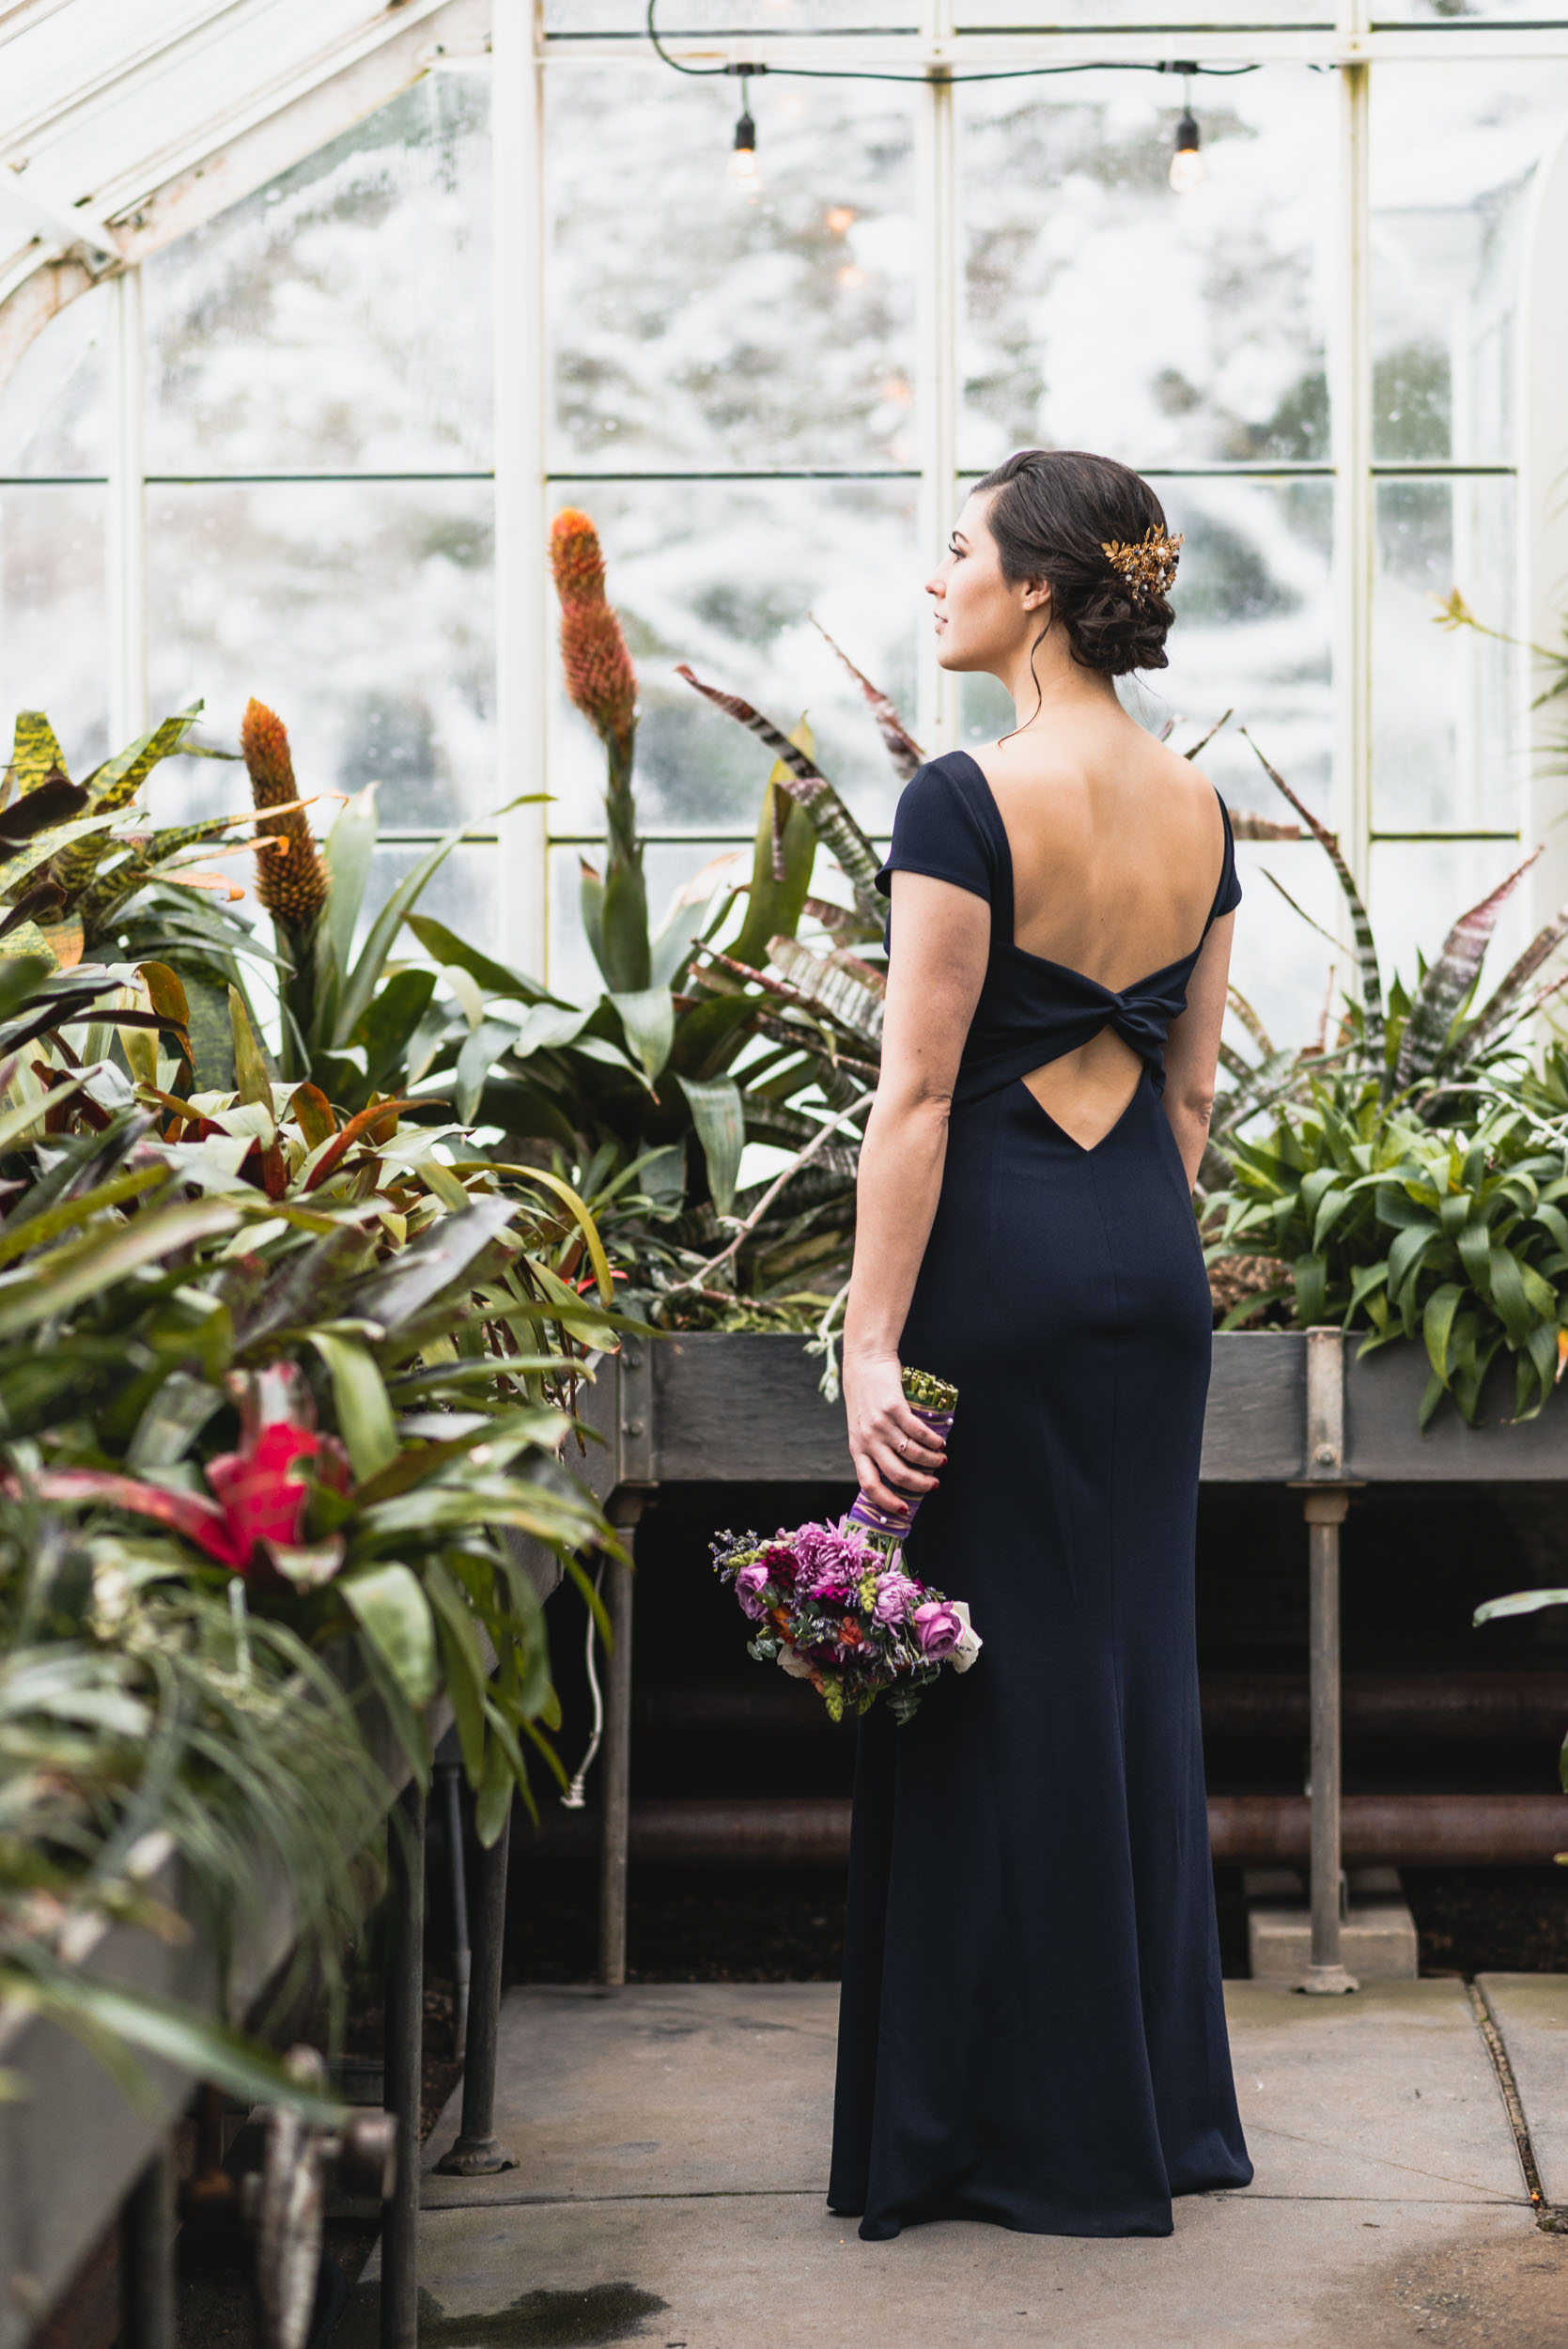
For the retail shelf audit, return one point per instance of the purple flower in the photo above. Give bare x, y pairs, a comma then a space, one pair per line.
894, 1592
938, 1627
750, 1584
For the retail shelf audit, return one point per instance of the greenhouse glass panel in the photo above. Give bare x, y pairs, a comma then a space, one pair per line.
693, 325
1454, 160
54, 632
1447, 750
1417, 890
1103, 310
1253, 634
54, 411
464, 892
338, 319
1279, 962
667, 867
725, 575
361, 612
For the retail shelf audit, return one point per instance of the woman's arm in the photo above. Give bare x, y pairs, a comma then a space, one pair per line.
1193, 1048
934, 982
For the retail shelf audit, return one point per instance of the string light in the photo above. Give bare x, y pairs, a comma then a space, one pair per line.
1186, 163
1188, 166
743, 155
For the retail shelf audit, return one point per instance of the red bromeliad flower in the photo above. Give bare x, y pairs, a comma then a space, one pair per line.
254, 1522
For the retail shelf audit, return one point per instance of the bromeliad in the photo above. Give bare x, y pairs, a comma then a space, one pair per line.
254, 1519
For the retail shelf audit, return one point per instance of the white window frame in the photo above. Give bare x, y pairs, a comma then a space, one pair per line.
1355, 44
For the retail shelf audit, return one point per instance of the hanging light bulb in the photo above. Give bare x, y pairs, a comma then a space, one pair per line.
743, 156
1186, 163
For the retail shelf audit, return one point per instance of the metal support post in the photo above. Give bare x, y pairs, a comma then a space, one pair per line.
1326, 1497
146, 2256
450, 1775
478, 2153
615, 1760
405, 2015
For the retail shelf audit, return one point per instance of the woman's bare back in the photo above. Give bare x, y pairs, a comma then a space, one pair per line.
1116, 844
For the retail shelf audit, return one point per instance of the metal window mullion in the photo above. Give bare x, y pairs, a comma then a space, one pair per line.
1350, 401
937, 322
516, 148
125, 520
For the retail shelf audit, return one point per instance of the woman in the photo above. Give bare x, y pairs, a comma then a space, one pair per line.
1032, 2029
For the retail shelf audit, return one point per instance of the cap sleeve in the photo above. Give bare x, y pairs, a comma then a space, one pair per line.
1228, 895
938, 829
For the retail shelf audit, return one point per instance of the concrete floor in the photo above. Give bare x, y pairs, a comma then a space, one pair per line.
673, 2146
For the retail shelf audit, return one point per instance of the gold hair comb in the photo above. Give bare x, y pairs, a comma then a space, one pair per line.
1149, 565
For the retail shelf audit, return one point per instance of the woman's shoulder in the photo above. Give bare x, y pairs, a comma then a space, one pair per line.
945, 825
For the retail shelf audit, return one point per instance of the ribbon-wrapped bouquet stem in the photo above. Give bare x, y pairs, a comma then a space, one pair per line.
834, 1604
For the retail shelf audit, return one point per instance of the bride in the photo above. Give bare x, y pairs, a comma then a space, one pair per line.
1032, 2029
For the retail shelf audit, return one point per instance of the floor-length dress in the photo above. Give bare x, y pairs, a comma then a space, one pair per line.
1031, 2028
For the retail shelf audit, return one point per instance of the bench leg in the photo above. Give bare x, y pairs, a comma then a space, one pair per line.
616, 1767
146, 2256
478, 2153
1325, 1512
405, 2018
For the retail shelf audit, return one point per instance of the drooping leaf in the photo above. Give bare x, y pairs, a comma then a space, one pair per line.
807, 783
1366, 951
647, 1015
720, 1118
1518, 1603
899, 743
359, 1392
394, 1614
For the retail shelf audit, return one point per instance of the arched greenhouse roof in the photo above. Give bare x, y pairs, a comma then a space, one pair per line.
125, 123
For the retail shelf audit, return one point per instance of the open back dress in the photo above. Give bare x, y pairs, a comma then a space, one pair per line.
1032, 2029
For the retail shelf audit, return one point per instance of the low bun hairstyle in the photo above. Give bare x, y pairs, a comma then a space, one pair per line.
1053, 511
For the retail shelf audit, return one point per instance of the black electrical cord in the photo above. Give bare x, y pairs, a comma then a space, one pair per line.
937, 74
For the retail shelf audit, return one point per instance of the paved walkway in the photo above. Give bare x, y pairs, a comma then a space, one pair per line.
673, 2146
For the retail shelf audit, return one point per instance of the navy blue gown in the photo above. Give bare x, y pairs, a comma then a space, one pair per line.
1031, 2028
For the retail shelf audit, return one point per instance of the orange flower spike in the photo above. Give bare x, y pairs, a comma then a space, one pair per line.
601, 680
292, 886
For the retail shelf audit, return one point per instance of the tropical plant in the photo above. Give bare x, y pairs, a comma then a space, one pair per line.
143, 1711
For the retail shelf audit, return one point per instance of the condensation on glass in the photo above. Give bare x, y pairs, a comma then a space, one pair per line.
338, 319
53, 629
362, 612
695, 324
1102, 311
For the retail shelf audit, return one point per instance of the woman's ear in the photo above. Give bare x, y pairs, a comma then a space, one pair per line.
1036, 595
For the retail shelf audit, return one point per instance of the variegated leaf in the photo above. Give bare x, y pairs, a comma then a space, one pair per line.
807, 782
1447, 984
1366, 951
838, 983
899, 743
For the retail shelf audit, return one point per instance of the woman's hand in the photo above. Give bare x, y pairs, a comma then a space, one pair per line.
880, 1420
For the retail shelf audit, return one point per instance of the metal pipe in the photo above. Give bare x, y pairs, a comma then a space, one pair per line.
147, 2256
450, 1775
1244, 1830
478, 2153
616, 1773
405, 2015
1472, 1708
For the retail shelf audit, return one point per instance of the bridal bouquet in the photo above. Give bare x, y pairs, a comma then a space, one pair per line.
833, 1605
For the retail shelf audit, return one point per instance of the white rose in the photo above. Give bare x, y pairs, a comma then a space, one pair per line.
794, 1663
970, 1645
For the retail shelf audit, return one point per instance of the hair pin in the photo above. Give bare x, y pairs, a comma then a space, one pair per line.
1148, 565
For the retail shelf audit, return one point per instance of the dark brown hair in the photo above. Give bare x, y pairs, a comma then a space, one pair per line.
1053, 511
